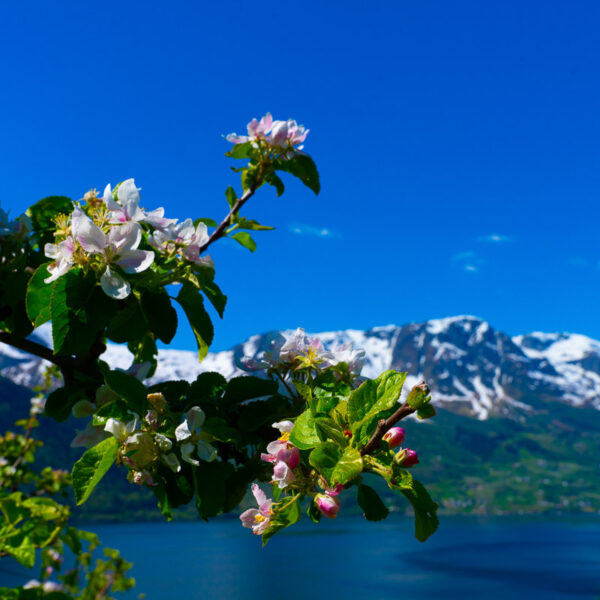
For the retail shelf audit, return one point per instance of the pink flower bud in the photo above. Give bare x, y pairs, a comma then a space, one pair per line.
410, 458
394, 436
328, 506
290, 456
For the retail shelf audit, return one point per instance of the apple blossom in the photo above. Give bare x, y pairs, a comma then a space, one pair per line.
282, 474
127, 208
185, 239
118, 247
89, 437
63, 258
258, 520
256, 130
121, 430
189, 432
281, 135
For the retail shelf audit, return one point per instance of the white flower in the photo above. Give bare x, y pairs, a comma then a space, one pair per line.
121, 430
63, 258
190, 433
127, 208
186, 238
118, 247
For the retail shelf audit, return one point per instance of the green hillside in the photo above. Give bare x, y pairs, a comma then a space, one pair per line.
546, 462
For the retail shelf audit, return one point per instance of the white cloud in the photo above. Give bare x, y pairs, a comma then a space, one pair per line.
495, 238
468, 261
311, 230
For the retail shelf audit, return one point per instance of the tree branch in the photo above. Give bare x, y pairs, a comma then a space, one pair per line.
219, 232
67, 364
34, 348
385, 424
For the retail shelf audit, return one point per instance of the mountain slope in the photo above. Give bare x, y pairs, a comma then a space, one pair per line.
471, 368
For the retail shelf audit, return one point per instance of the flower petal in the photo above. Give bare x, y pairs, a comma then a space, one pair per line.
135, 261
108, 199
186, 454
114, 285
126, 236
90, 236
195, 418
206, 451
247, 517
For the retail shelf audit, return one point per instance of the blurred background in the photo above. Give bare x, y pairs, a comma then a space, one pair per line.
458, 150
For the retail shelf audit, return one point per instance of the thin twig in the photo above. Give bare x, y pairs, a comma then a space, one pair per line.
384, 424
219, 232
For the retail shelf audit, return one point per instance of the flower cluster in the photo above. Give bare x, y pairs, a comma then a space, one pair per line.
302, 351
284, 456
144, 442
283, 137
107, 233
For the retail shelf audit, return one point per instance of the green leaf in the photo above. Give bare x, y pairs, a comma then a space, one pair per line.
375, 399
24, 553
255, 415
43, 213
62, 400
211, 487
373, 507
327, 427
240, 150
418, 396
91, 468
231, 196
193, 305
206, 221
215, 296
161, 316
130, 389
245, 239
282, 519
79, 310
324, 458
251, 225
303, 167
426, 411
274, 180
240, 389
129, 323
426, 519
38, 296
208, 387
304, 434
335, 465
349, 466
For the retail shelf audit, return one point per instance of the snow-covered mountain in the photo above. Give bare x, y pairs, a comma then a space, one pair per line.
471, 368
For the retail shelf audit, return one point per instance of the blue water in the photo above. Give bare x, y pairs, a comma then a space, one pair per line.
504, 558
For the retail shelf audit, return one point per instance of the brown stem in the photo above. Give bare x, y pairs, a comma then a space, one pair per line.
219, 232
32, 348
384, 424
67, 364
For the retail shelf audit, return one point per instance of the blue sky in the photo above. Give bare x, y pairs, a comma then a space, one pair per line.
457, 144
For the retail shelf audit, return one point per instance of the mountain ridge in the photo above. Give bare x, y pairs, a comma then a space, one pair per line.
472, 368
